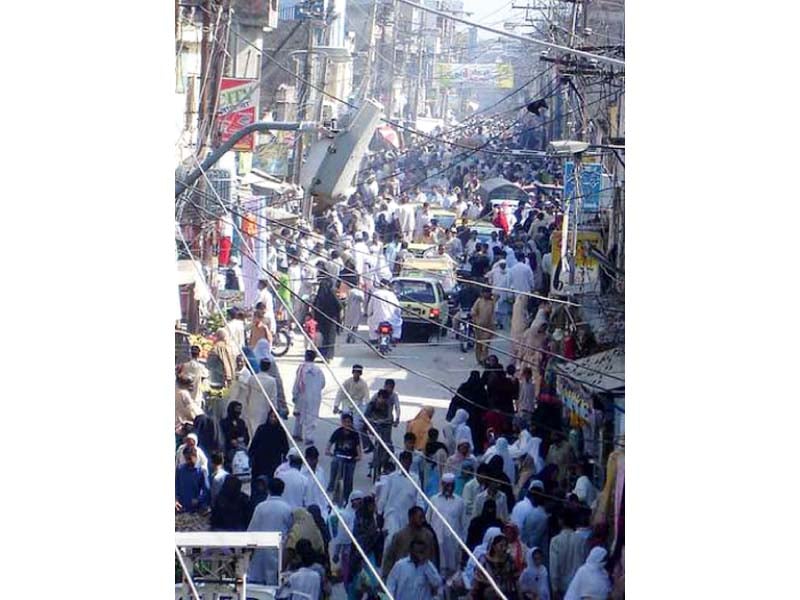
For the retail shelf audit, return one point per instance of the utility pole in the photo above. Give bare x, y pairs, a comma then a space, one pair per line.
420, 47
303, 101
395, 30
371, 49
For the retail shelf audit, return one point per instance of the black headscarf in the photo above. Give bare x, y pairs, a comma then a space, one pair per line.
482, 522
209, 436
233, 428
259, 491
475, 404
326, 302
231, 510
268, 448
498, 475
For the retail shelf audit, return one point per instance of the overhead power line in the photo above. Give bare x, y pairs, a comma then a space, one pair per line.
521, 38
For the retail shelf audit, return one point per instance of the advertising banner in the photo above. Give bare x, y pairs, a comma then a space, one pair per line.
587, 268
591, 184
492, 75
238, 108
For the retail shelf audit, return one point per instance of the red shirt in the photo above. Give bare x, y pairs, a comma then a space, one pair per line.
310, 327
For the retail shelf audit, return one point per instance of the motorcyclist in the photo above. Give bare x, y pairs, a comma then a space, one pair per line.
468, 293
384, 307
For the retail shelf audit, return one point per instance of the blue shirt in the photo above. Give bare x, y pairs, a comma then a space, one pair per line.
191, 485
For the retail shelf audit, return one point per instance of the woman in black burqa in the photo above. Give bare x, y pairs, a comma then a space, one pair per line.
268, 448
231, 510
327, 312
471, 396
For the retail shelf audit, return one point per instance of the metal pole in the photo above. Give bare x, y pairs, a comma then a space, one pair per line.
180, 186
371, 49
420, 46
304, 99
395, 30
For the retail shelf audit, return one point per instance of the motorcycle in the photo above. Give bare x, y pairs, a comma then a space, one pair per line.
465, 335
384, 337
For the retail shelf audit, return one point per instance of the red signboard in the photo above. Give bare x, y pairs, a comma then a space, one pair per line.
238, 108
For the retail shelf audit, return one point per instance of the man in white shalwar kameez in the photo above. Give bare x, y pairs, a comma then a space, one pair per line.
255, 406
407, 218
307, 394
414, 577
273, 514
295, 483
396, 496
383, 306
314, 495
532, 519
353, 312
454, 510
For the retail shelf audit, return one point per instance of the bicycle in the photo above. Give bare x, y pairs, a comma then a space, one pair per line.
336, 487
380, 458
282, 340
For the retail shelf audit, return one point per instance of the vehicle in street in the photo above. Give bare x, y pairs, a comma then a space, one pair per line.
424, 304
419, 250
445, 217
384, 337
484, 230
441, 268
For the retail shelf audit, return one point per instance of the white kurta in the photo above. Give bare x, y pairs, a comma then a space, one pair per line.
521, 278
408, 581
355, 309
305, 584
532, 522
407, 220
313, 493
381, 308
454, 511
255, 407
397, 496
273, 514
307, 394
295, 486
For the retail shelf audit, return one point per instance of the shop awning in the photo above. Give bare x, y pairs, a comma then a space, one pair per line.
601, 372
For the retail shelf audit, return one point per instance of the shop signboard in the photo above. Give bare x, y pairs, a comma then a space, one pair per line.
487, 75
587, 267
591, 185
574, 398
238, 108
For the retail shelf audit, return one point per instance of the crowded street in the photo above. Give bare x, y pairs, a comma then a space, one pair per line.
400, 348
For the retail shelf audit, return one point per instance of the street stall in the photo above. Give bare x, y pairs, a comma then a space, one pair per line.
592, 393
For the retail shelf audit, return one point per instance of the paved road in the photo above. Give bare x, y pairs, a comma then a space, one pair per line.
443, 362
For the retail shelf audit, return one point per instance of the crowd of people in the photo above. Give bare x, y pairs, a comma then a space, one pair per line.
506, 474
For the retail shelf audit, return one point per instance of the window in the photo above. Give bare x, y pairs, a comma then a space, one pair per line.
414, 291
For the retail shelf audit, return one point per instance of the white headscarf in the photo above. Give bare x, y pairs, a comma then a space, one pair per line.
461, 430
480, 551
500, 448
528, 445
591, 579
